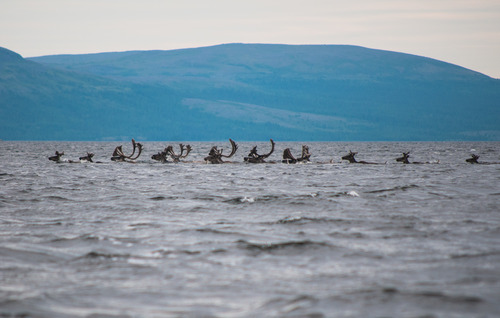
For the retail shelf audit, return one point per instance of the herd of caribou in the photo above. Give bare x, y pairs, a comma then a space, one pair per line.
216, 156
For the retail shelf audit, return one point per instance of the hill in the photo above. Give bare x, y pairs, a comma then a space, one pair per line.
246, 92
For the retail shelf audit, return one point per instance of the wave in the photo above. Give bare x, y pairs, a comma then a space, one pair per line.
161, 198
57, 198
442, 297
293, 199
211, 231
83, 237
101, 255
304, 220
419, 296
474, 255
163, 252
298, 306
396, 188
143, 225
282, 247
35, 257
252, 199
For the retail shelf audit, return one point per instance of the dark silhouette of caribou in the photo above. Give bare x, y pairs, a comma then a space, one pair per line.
406, 155
351, 158
473, 159
87, 158
57, 157
118, 154
254, 157
289, 158
215, 155
169, 152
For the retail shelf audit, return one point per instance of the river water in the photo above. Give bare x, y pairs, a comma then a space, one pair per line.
325, 239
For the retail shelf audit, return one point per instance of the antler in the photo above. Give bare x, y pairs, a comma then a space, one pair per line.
270, 152
118, 152
305, 153
188, 150
287, 155
234, 147
134, 145
138, 145
170, 151
119, 155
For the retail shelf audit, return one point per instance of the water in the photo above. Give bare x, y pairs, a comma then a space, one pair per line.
241, 240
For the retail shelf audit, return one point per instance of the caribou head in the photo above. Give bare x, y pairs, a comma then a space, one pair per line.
404, 158
118, 154
161, 156
87, 158
57, 156
169, 151
254, 157
215, 155
473, 159
350, 157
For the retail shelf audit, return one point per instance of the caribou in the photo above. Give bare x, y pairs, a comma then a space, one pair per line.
473, 159
406, 155
351, 158
57, 157
289, 158
254, 157
215, 155
87, 158
118, 154
169, 151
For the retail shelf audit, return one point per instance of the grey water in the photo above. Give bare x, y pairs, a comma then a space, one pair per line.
324, 239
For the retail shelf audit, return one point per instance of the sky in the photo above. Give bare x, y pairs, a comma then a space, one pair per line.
466, 33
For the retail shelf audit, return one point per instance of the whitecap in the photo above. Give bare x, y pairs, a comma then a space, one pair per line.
352, 193
247, 199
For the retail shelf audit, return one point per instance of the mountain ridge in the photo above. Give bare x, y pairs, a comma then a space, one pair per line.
250, 92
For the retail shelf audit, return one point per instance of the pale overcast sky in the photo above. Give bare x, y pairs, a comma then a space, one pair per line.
461, 32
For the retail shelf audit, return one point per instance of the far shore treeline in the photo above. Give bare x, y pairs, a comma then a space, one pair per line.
245, 92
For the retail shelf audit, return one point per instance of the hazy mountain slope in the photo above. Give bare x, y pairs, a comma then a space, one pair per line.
403, 96
248, 92
38, 102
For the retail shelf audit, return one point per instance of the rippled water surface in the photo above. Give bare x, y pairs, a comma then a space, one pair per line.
325, 239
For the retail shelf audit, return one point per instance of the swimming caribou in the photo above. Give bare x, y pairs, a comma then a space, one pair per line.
254, 157
406, 155
58, 155
118, 154
215, 155
350, 157
473, 159
289, 158
169, 151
